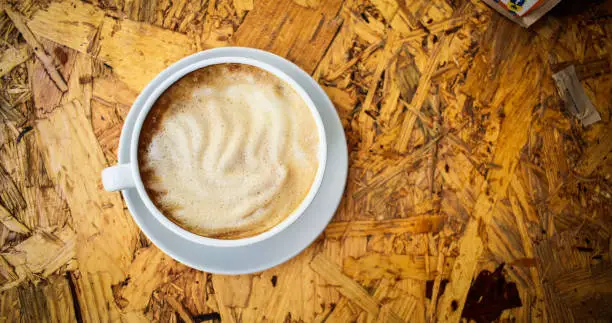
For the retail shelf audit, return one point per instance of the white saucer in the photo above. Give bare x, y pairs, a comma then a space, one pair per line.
286, 244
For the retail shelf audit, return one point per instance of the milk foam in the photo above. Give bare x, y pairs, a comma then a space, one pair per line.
230, 151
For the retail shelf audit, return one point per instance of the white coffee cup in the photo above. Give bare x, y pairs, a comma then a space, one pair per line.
127, 176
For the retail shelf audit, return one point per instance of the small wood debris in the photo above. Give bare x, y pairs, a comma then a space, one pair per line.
324, 267
10, 195
38, 49
376, 266
10, 222
10, 113
13, 57
180, 310
415, 224
41, 255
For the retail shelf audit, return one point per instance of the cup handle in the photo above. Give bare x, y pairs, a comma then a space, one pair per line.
118, 177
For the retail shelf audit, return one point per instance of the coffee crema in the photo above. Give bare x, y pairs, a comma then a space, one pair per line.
228, 151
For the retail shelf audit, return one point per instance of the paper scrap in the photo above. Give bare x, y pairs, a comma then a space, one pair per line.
576, 100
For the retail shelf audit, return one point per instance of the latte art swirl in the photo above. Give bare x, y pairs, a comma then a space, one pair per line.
228, 151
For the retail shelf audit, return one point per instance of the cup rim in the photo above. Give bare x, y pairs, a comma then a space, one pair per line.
160, 88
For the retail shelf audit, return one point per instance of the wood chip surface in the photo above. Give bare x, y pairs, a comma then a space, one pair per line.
464, 154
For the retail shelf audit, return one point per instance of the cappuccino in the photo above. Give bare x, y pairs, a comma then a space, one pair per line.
228, 151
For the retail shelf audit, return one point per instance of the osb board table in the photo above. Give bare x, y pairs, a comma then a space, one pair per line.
462, 158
